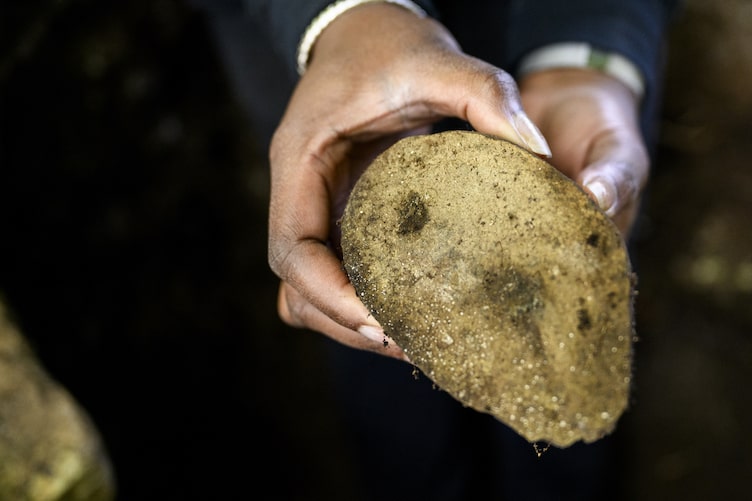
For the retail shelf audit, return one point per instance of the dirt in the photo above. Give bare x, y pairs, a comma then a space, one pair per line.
456, 243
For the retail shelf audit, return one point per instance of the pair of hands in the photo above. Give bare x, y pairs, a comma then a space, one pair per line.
380, 73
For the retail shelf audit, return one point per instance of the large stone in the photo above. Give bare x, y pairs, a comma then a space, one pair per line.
500, 278
49, 448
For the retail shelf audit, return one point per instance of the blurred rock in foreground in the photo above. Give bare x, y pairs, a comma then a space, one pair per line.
49, 449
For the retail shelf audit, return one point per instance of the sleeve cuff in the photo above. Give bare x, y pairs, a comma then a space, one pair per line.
583, 55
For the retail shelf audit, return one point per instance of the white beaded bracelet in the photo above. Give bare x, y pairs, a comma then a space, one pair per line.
332, 12
582, 55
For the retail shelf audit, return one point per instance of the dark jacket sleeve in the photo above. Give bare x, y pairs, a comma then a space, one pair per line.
635, 29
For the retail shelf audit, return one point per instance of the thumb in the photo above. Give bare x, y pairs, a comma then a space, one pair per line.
615, 173
489, 99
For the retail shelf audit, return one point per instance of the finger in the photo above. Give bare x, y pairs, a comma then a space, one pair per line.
616, 172
304, 192
311, 268
488, 98
295, 310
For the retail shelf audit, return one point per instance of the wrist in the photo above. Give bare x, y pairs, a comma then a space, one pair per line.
585, 56
331, 13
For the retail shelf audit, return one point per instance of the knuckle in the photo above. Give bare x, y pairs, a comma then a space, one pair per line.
499, 81
277, 258
281, 248
290, 306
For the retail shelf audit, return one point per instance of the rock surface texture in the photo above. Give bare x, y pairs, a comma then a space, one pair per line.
499, 277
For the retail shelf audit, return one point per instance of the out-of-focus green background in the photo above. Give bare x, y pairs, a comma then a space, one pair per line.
133, 255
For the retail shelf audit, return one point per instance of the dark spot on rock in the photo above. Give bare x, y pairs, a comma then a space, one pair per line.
413, 214
510, 286
583, 320
520, 296
592, 240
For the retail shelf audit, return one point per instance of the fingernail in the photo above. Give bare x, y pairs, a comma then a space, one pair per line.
530, 134
372, 333
604, 194
377, 334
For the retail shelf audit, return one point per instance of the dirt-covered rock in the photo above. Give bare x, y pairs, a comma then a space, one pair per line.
500, 278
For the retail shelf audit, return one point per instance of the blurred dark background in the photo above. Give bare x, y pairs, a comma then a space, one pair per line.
133, 256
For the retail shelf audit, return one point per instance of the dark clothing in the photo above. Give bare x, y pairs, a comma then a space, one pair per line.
264, 34
634, 28
410, 440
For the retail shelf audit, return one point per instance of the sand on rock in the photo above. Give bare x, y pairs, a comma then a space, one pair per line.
500, 278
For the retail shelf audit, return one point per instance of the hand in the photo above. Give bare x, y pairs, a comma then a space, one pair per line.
591, 122
377, 73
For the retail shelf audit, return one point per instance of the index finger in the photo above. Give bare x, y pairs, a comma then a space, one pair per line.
299, 230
